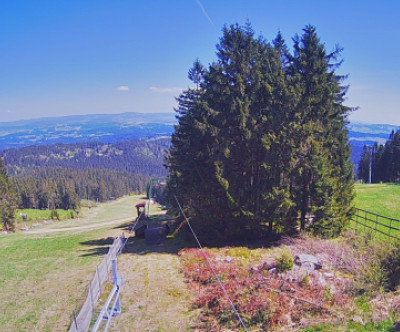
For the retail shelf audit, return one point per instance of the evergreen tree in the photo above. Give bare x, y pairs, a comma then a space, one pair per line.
385, 161
261, 141
363, 165
323, 170
7, 199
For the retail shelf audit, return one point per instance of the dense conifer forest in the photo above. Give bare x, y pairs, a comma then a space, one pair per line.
385, 163
137, 157
59, 176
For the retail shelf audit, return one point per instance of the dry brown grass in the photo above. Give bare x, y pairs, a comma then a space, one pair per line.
154, 295
344, 292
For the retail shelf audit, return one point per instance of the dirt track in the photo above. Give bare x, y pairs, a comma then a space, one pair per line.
80, 228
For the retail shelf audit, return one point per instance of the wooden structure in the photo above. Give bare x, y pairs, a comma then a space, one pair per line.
141, 210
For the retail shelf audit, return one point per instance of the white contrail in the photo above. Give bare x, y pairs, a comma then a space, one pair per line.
205, 12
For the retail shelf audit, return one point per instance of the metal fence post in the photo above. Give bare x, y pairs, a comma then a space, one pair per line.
76, 323
116, 282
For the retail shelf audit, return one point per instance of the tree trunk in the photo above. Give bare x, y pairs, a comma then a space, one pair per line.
303, 211
5, 224
270, 227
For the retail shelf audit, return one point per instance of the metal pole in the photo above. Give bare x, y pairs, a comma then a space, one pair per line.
76, 323
117, 305
370, 167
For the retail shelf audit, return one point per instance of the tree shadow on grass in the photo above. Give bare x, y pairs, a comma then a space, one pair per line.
124, 227
135, 245
171, 244
97, 247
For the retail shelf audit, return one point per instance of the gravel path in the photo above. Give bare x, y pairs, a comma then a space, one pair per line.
80, 228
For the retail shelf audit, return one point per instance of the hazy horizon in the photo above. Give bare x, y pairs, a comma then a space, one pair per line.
72, 58
172, 113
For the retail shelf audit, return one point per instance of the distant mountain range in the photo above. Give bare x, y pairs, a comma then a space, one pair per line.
361, 134
111, 128
106, 128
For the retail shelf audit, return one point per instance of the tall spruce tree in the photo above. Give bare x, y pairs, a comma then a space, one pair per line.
7, 199
323, 172
261, 141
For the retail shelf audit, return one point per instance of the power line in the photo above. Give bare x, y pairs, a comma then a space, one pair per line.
212, 269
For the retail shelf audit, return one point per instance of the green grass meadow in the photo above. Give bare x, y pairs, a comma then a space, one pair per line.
381, 199
39, 270
36, 215
44, 275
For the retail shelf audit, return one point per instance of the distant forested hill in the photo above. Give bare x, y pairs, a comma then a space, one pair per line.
138, 157
361, 134
113, 128
58, 176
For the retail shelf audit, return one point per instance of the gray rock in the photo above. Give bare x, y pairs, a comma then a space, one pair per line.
396, 326
308, 262
358, 319
268, 264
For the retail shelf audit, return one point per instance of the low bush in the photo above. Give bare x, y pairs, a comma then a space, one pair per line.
54, 214
285, 261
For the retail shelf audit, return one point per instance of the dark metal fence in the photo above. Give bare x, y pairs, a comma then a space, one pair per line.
389, 227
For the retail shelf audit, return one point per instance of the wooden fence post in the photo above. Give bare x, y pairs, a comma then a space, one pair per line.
108, 275
91, 296
98, 278
365, 220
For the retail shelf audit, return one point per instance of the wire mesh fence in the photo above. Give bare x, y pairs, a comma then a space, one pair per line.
386, 227
81, 322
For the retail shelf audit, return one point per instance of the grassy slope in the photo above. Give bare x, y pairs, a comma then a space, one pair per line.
43, 277
383, 199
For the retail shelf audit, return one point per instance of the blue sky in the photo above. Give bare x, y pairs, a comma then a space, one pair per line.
79, 57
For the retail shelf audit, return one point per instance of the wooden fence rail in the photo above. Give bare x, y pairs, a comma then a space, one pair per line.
389, 227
